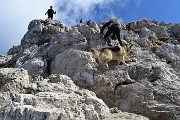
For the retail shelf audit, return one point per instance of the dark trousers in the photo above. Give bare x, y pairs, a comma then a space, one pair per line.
50, 16
115, 30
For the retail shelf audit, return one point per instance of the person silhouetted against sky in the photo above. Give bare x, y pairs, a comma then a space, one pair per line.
89, 22
81, 22
113, 27
50, 13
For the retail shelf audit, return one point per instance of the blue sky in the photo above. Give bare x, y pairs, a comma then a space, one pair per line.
16, 14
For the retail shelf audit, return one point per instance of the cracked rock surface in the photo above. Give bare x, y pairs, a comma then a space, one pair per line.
52, 75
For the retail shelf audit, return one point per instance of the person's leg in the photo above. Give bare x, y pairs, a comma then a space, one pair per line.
107, 39
117, 32
106, 36
51, 16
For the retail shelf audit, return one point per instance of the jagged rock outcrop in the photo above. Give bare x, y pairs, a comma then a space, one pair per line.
12, 81
62, 100
54, 98
4, 60
66, 79
175, 32
171, 54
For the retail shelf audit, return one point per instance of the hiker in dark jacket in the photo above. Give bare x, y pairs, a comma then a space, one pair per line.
81, 22
113, 27
89, 22
50, 13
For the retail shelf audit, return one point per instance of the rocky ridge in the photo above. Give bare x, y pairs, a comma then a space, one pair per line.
52, 74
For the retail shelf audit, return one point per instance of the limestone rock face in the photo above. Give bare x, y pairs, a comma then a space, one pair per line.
160, 31
78, 61
12, 82
119, 115
146, 33
52, 74
175, 32
59, 100
171, 54
35, 66
4, 60
61, 103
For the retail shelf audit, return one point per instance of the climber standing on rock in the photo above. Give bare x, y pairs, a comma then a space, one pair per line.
89, 22
113, 27
50, 13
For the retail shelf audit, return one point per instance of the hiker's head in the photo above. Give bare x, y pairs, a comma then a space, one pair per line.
51, 7
115, 20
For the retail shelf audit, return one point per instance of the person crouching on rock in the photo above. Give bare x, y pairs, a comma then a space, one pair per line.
50, 13
113, 27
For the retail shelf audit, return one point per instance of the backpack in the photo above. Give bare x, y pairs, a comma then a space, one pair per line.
115, 21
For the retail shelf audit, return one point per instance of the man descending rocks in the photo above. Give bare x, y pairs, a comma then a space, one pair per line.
113, 27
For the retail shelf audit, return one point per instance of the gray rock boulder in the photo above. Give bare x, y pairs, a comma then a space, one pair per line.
175, 30
160, 31
146, 33
171, 54
77, 61
35, 66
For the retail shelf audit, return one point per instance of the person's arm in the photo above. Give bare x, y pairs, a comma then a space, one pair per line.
47, 12
54, 12
104, 26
